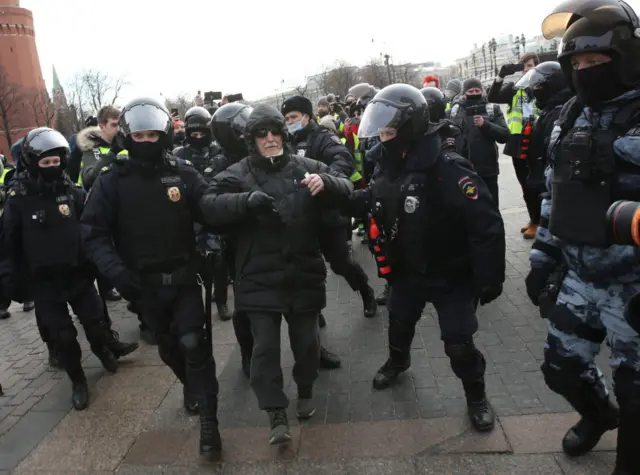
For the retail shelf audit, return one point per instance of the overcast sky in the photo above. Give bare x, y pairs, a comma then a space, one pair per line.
224, 46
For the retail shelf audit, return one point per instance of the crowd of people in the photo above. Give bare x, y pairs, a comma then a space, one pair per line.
153, 205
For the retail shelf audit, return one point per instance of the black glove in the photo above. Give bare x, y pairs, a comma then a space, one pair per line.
128, 284
536, 280
488, 293
508, 70
259, 200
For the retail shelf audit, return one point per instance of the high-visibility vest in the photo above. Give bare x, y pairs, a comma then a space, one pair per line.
514, 114
355, 176
4, 173
103, 151
356, 154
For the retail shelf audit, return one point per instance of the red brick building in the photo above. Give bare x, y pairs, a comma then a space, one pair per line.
20, 71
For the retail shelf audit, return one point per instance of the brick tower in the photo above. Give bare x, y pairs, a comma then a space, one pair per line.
20, 73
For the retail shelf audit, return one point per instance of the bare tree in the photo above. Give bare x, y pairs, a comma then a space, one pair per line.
302, 90
407, 74
180, 102
11, 96
40, 106
100, 89
340, 78
375, 73
323, 80
76, 98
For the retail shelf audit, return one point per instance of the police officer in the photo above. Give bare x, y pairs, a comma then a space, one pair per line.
594, 162
41, 229
437, 235
312, 141
437, 103
139, 218
200, 150
274, 201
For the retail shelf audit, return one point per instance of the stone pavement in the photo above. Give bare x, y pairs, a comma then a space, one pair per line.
136, 424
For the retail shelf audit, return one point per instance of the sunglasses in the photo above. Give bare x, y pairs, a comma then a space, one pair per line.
262, 132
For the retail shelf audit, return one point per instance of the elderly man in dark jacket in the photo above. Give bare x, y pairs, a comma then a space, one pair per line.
276, 204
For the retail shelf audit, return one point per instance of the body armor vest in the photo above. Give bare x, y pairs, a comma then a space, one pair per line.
155, 228
584, 177
51, 234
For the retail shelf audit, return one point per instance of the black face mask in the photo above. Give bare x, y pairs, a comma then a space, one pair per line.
179, 137
151, 152
474, 97
393, 149
542, 96
50, 173
202, 142
598, 84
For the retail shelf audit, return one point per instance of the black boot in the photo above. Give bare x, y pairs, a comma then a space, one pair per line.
79, 392
384, 296
4, 314
223, 312
108, 359
480, 412
117, 347
112, 296
391, 369
210, 442
329, 360
190, 401
28, 306
596, 419
369, 302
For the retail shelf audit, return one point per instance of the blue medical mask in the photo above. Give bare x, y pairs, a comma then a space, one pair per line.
293, 128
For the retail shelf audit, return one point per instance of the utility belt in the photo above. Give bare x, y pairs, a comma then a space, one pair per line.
185, 275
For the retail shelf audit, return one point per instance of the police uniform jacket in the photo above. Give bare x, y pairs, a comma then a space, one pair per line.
438, 217
279, 266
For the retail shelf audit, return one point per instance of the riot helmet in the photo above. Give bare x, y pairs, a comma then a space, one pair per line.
608, 27
436, 101
265, 119
141, 121
399, 106
197, 124
42, 143
544, 81
228, 126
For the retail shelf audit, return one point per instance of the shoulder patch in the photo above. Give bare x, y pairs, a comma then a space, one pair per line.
336, 139
104, 170
187, 162
12, 193
468, 188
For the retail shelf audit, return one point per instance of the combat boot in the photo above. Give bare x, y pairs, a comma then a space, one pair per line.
329, 360
369, 302
480, 412
595, 420
79, 389
384, 296
210, 441
223, 312
280, 431
117, 347
54, 358
391, 369
106, 357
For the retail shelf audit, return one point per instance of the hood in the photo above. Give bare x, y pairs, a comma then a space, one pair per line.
627, 96
560, 98
89, 138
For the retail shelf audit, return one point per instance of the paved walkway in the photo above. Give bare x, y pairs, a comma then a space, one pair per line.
136, 424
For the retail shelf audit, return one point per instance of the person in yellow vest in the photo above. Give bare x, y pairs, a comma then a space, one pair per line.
521, 111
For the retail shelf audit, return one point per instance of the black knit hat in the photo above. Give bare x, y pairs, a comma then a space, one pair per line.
297, 104
470, 84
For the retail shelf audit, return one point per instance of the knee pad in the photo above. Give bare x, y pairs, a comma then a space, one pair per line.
627, 389
467, 362
194, 345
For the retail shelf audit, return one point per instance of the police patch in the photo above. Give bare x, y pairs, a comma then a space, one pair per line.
174, 194
411, 203
64, 210
468, 187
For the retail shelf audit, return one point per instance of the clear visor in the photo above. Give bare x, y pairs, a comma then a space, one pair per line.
380, 115
145, 117
532, 78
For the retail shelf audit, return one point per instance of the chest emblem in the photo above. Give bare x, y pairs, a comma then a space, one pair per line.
64, 210
411, 203
174, 194
301, 152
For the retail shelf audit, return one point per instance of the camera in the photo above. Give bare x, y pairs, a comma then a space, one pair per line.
211, 96
623, 223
